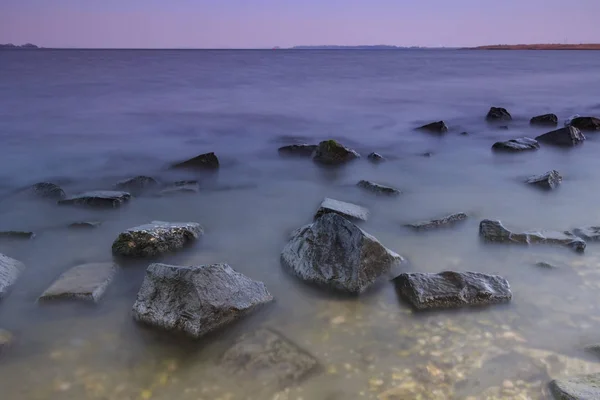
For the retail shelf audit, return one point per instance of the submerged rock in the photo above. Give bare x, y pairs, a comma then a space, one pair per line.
591, 233
267, 356
545, 265
208, 161
10, 269
342, 208
6, 339
570, 119
334, 252
48, 190
377, 188
98, 199
494, 231
299, 150
435, 127
544, 120
16, 235
375, 157
85, 225
451, 289
567, 136
549, 180
586, 123
438, 222
586, 387
196, 300
84, 282
498, 114
330, 152
156, 238
137, 185
520, 144
183, 187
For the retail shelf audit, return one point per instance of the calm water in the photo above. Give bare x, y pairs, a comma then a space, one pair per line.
87, 119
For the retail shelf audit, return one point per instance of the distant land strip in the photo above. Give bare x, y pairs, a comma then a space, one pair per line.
541, 46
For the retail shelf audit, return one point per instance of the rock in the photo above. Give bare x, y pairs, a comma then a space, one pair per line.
196, 300
334, 252
10, 269
590, 233
594, 348
330, 152
375, 157
48, 190
427, 154
438, 222
84, 282
299, 150
16, 235
498, 114
208, 161
180, 188
342, 208
377, 188
567, 136
586, 123
585, 387
546, 265
268, 357
98, 199
544, 120
570, 119
520, 144
156, 238
451, 289
85, 225
435, 127
137, 185
464, 133
494, 231
549, 180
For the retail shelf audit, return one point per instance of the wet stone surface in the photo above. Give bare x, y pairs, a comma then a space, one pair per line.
207, 161
564, 137
156, 238
378, 188
446, 221
348, 210
330, 152
585, 387
48, 190
98, 199
10, 270
85, 225
516, 145
137, 185
86, 282
15, 235
548, 181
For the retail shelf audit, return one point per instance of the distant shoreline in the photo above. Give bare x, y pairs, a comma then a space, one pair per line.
541, 46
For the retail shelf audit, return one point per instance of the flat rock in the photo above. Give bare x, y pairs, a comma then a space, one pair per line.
585, 387
98, 199
434, 127
10, 269
549, 180
590, 233
48, 190
498, 114
342, 208
451, 289
207, 161
438, 222
156, 238
335, 253
196, 300
298, 150
6, 339
85, 225
375, 157
16, 235
268, 357
514, 145
544, 120
567, 136
378, 188
330, 152
137, 185
494, 231
586, 123
84, 282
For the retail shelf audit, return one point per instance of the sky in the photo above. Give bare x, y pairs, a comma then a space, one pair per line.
285, 23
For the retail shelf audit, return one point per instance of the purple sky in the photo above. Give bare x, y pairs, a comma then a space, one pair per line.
268, 23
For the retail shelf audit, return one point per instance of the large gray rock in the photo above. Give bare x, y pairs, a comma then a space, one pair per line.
549, 180
298, 150
586, 123
137, 185
586, 387
438, 222
590, 233
48, 190
451, 289
544, 120
564, 137
10, 269
378, 188
435, 127
498, 114
156, 238
342, 208
331, 152
208, 161
515, 145
334, 252
198, 299
84, 282
98, 199
494, 231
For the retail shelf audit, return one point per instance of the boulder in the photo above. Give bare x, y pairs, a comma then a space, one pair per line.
137, 185
6, 339
544, 120
434, 127
270, 358
196, 300
183, 187
85, 225
16, 235
549, 180
335, 253
48, 190
298, 150
156, 238
378, 188
567, 136
494, 231
10, 269
438, 222
330, 152
97, 199
514, 145
586, 123
585, 387
208, 161
86, 282
375, 157
451, 289
498, 114
342, 208
590, 233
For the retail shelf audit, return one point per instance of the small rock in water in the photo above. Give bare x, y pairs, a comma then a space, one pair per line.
546, 265
464, 133
334, 252
544, 120
137, 185
6, 339
196, 300
427, 154
435, 127
520, 144
438, 222
191, 187
377, 188
567, 136
85, 225
330, 152
86, 282
375, 157
298, 150
342, 208
498, 114
549, 180
586, 387
10, 269
16, 235
97, 199
207, 161
156, 238
591, 233
48, 190
451, 289
586, 123
494, 231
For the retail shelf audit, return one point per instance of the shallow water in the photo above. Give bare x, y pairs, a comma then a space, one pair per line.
87, 119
